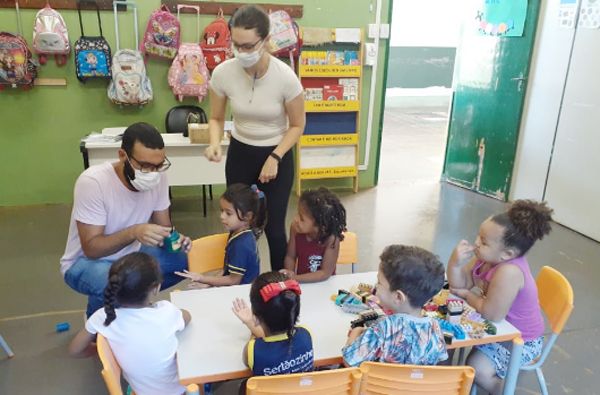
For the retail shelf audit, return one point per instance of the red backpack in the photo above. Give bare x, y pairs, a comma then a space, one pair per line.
216, 42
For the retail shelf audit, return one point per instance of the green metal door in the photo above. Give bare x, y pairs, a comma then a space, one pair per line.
490, 82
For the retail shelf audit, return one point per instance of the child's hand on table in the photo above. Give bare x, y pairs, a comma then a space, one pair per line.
192, 276
288, 273
463, 253
460, 292
242, 311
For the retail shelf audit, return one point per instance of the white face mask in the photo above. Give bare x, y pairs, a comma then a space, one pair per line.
145, 181
248, 59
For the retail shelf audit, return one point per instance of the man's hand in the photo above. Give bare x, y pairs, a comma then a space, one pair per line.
186, 243
151, 234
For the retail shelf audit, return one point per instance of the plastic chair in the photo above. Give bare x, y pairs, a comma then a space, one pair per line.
348, 250
6, 347
338, 382
556, 299
388, 378
176, 121
207, 253
111, 371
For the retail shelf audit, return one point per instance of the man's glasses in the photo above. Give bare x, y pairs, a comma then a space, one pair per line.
245, 47
149, 167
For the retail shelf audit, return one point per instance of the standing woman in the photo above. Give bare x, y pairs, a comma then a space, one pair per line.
268, 110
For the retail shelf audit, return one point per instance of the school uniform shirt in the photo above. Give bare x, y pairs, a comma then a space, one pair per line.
276, 354
144, 344
310, 254
399, 338
241, 256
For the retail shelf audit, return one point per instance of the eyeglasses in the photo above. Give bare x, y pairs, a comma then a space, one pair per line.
149, 167
245, 47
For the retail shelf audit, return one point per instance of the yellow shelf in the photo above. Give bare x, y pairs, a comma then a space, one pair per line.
332, 106
330, 71
328, 172
316, 140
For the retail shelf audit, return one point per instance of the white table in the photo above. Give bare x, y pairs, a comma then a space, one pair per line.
210, 348
189, 166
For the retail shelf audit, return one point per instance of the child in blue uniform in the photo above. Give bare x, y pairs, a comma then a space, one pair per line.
243, 214
277, 345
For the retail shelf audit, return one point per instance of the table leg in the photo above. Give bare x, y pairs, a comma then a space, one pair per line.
204, 200
514, 365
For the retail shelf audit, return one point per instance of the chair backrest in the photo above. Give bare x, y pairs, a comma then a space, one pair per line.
326, 382
348, 249
387, 378
207, 253
177, 118
111, 371
556, 297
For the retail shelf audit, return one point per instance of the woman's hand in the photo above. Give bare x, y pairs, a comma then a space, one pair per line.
269, 170
242, 311
213, 153
463, 253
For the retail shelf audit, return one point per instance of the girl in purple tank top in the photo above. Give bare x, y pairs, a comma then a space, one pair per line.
494, 277
315, 236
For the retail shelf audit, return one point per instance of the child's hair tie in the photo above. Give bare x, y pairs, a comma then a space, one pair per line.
271, 290
255, 189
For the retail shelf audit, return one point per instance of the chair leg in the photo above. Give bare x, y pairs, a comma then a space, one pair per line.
6, 347
210, 192
541, 381
204, 200
473, 389
461, 357
353, 267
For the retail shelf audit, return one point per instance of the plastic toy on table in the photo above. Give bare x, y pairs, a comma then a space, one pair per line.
367, 318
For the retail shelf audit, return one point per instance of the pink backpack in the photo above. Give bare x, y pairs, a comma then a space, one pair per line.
50, 36
162, 34
285, 36
188, 75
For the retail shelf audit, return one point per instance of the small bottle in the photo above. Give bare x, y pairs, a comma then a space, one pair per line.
62, 327
173, 241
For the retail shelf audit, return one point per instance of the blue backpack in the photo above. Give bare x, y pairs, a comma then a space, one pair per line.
92, 53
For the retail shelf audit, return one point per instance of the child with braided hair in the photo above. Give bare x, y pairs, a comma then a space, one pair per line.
141, 334
494, 277
315, 237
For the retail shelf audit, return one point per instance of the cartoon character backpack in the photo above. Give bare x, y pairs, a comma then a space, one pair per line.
162, 34
130, 84
50, 36
285, 35
17, 67
92, 53
188, 75
216, 42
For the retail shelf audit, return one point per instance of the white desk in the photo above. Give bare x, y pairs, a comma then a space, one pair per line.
210, 348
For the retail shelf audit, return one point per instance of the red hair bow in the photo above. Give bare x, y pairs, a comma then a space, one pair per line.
271, 290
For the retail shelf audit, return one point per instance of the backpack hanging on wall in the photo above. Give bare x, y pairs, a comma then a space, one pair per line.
285, 36
130, 84
50, 36
216, 42
17, 67
161, 38
188, 75
92, 53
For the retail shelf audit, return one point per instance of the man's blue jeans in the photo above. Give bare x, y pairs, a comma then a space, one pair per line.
90, 276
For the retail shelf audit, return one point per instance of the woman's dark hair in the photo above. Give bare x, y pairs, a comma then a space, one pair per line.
416, 272
248, 200
250, 17
279, 314
327, 211
143, 132
524, 222
130, 279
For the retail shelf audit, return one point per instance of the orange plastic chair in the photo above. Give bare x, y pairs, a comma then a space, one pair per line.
327, 382
388, 378
556, 300
348, 250
111, 371
208, 253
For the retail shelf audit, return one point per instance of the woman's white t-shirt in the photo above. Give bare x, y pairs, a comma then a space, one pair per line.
144, 344
258, 105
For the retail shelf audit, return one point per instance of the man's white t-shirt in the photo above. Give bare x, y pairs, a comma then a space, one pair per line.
144, 343
100, 198
258, 106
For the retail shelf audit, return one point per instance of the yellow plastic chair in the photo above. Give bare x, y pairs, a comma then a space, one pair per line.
556, 300
111, 371
208, 253
391, 379
327, 382
348, 250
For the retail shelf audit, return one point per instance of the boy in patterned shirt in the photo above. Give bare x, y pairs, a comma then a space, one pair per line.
407, 278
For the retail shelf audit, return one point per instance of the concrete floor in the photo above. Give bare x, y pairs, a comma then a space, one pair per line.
409, 206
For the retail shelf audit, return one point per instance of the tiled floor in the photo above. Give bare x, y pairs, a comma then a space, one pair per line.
409, 206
